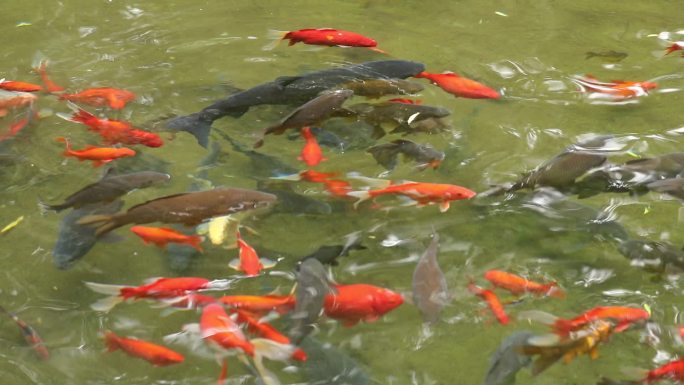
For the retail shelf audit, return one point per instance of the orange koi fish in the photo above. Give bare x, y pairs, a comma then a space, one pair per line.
99, 155
260, 304
492, 301
316, 176
360, 302
30, 335
406, 101
9, 85
519, 285
266, 330
249, 261
219, 329
49, 84
673, 370
16, 127
114, 131
618, 89
13, 99
155, 354
460, 86
161, 236
324, 36
337, 187
625, 316
311, 153
422, 193
113, 97
676, 46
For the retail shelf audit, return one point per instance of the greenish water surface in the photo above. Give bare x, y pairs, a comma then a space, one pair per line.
178, 57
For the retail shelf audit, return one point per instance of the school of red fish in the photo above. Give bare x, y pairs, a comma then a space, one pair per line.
241, 324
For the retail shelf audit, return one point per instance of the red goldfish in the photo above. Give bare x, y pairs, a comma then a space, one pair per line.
160, 236
113, 97
492, 301
316, 176
259, 304
676, 46
30, 335
460, 86
99, 155
406, 101
673, 371
266, 330
618, 89
15, 128
155, 354
249, 261
218, 328
49, 84
360, 302
11, 99
625, 316
325, 36
9, 85
519, 285
311, 153
422, 193
115, 131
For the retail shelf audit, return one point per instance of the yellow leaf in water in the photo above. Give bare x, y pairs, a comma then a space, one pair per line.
12, 225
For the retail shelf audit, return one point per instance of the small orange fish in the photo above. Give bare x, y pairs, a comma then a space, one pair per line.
113, 97
618, 89
492, 301
325, 36
16, 127
676, 46
49, 84
625, 316
673, 370
115, 131
30, 335
266, 330
260, 304
519, 285
460, 86
423, 193
249, 261
219, 329
155, 354
311, 153
9, 85
360, 302
161, 236
99, 155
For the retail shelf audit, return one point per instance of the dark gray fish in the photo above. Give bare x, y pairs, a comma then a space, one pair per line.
654, 255
399, 114
507, 361
109, 188
189, 209
425, 155
143, 161
310, 113
610, 56
375, 88
427, 126
290, 90
328, 255
673, 187
292, 202
561, 171
262, 165
430, 292
74, 240
312, 287
327, 365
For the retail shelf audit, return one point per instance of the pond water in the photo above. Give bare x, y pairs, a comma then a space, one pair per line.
178, 57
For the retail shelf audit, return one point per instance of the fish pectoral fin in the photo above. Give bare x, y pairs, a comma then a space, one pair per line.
444, 206
267, 263
234, 264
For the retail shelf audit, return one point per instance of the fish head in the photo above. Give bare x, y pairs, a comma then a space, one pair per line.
386, 300
457, 193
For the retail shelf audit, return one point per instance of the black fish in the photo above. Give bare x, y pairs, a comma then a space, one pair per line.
397, 114
425, 155
507, 361
312, 287
292, 202
561, 171
651, 254
109, 188
289, 90
262, 165
328, 255
376, 88
74, 240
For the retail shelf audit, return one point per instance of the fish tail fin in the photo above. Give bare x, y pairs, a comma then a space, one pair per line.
66, 143
361, 195
108, 223
106, 304
386, 154
671, 49
111, 340
562, 327
80, 115
195, 125
552, 290
44, 207
195, 242
538, 316
104, 288
276, 36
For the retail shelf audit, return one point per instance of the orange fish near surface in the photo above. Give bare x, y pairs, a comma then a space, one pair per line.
360, 302
326, 36
492, 301
99, 155
260, 304
266, 330
115, 131
423, 193
9, 85
625, 316
673, 370
113, 97
155, 354
460, 86
249, 261
218, 328
49, 84
519, 285
161, 236
311, 153
15, 128
617, 89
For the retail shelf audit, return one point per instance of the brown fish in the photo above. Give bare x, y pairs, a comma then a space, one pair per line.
375, 88
429, 285
561, 171
426, 156
109, 188
609, 56
673, 187
30, 335
428, 126
310, 113
397, 114
189, 209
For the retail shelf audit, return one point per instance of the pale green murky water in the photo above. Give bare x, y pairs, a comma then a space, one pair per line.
176, 55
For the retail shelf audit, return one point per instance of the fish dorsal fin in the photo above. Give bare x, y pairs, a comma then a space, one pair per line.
283, 81
157, 199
